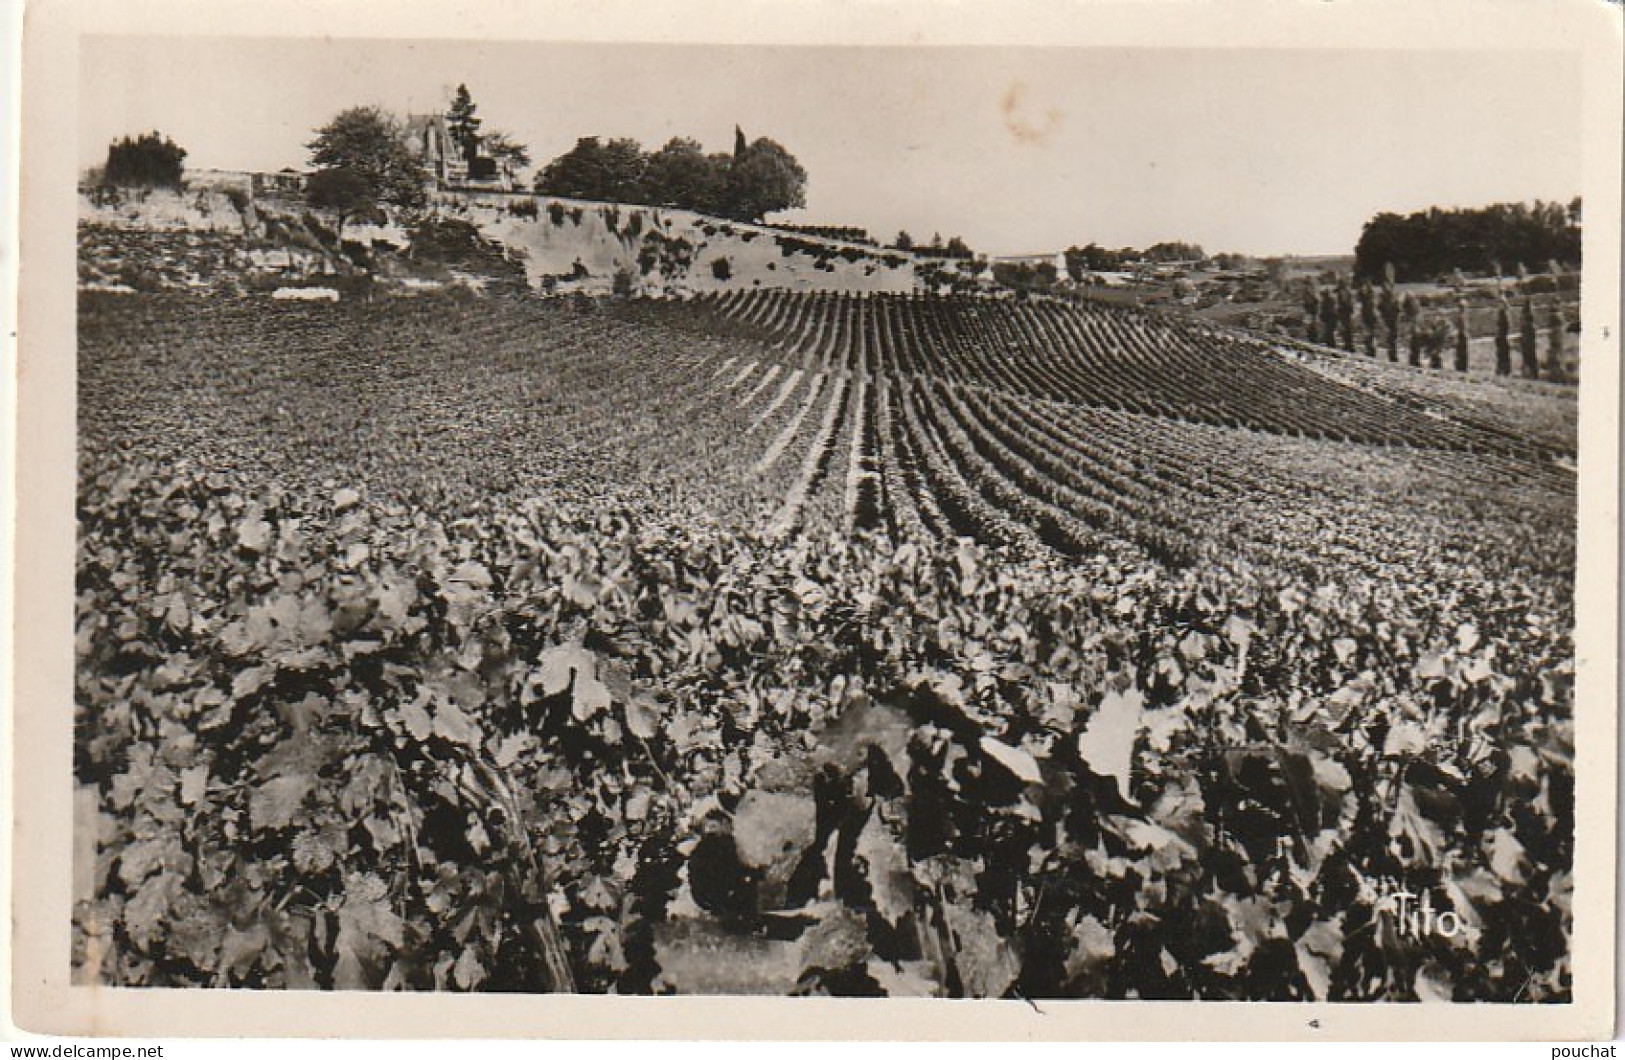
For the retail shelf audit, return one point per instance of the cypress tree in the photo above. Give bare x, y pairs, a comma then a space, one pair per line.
1328, 317
1368, 317
1461, 336
1527, 341
1345, 315
1554, 343
1390, 316
1412, 312
1311, 312
462, 125
1503, 339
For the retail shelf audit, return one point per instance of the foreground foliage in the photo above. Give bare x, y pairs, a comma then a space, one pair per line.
343, 744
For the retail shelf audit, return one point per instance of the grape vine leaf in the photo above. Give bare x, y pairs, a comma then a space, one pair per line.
1015, 759
275, 801
1106, 744
987, 964
450, 723
367, 929
564, 662
1092, 944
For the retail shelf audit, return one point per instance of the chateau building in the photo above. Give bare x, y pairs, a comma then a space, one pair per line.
431, 141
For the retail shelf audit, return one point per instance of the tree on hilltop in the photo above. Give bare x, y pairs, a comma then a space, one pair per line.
680, 174
347, 193
372, 143
504, 148
462, 125
764, 178
592, 169
151, 160
626, 167
757, 179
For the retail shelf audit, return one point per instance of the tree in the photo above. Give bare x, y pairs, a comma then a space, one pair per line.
1503, 339
344, 191
462, 125
1411, 309
1311, 311
1328, 317
625, 165
612, 172
1096, 258
150, 160
1175, 251
1345, 314
1368, 317
906, 241
579, 173
1528, 342
1390, 318
506, 150
1461, 336
1554, 343
372, 143
764, 179
958, 248
680, 175
1435, 242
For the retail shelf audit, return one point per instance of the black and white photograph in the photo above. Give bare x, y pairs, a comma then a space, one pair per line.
1029, 522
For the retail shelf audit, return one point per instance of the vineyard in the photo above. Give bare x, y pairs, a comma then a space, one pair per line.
813, 643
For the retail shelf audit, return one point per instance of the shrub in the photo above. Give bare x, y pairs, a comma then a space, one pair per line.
358, 255
721, 269
446, 241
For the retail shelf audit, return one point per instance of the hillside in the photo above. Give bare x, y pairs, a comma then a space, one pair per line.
202, 238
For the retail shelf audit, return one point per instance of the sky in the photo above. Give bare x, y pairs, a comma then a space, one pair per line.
1018, 151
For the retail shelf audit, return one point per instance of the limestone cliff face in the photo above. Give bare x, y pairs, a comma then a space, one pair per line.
208, 237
